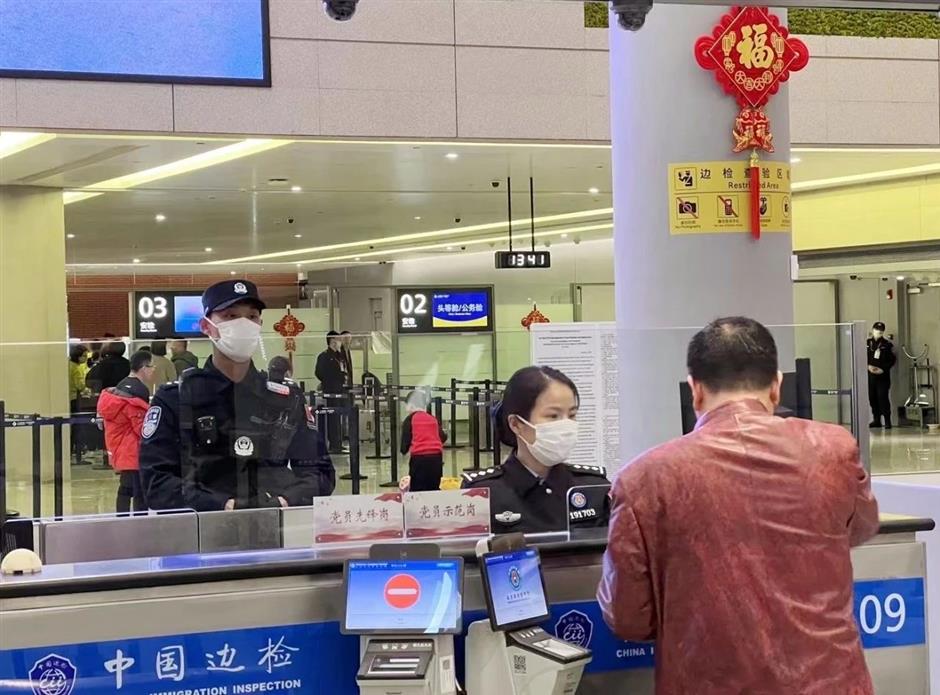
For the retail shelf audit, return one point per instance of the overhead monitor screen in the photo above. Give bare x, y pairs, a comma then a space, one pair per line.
445, 310
160, 315
403, 597
184, 41
187, 310
515, 589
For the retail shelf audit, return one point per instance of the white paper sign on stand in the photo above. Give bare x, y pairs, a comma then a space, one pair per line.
587, 353
358, 518
447, 513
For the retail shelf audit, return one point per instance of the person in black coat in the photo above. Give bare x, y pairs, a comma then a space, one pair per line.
331, 371
112, 368
881, 359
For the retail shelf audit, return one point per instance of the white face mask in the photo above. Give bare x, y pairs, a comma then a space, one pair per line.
554, 441
877, 335
238, 339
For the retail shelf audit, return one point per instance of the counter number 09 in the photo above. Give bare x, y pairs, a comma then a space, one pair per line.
413, 304
152, 307
872, 612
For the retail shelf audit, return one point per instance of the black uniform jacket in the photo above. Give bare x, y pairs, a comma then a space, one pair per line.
206, 440
521, 502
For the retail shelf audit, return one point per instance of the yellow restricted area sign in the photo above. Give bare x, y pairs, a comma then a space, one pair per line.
709, 197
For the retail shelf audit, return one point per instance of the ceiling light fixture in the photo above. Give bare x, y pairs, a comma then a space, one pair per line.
452, 155
900, 278
298, 236
208, 249
231, 272
159, 217
69, 236
416, 236
564, 236
795, 160
853, 179
296, 189
136, 260
594, 191
12, 141
417, 217
186, 165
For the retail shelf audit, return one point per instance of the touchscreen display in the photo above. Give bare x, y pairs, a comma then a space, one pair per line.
409, 596
187, 311
516, 592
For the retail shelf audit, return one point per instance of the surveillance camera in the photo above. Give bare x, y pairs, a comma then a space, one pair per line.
456, 220
494, 184
853, 277
340, 10
631, 14
577, 240
884, 279
290, 220
463, 248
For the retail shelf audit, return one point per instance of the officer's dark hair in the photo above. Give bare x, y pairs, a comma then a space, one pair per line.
733, 354
116, 348
140, 359
330, 336
76, 350
522, 391
158, 347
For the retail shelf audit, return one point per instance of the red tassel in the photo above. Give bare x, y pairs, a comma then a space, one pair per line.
755, 196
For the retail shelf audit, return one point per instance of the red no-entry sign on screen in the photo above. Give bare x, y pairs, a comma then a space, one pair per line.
402, 591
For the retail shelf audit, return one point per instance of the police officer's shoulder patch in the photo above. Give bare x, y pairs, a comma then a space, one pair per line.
280, 389
474, 477
151, 421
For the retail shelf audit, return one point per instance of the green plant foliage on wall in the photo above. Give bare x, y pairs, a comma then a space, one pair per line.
909, 25
913, 25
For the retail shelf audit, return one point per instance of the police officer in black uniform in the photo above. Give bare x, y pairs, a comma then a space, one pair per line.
881, 359
529, 492
224, 437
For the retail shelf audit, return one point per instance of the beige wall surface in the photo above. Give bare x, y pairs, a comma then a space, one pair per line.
489, 69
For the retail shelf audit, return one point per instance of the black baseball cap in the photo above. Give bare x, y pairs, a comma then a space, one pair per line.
224, 294
878, 326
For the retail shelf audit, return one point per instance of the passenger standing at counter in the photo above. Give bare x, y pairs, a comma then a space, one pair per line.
730, 546
224, 437
112, 367
529, 491
423, 438
122, 409
164, 371
881, 359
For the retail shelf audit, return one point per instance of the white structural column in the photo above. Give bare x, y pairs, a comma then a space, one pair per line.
666, 109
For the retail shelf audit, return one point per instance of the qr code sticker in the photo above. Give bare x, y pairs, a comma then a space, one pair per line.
518, 664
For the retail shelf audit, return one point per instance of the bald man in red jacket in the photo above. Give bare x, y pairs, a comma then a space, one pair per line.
730, 546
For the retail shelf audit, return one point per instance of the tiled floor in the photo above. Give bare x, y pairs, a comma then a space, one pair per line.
92, 490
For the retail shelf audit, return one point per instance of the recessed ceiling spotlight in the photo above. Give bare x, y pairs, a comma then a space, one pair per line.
208, 249
159, 217
564, 236
417, 217
298, 236
296, 189
452, 155
358, 258
136, 260
450, 248
69, 236
231, 272
900, 278
795, 160
594, 191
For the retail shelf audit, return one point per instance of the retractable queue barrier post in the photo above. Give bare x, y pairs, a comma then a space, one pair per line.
487, 412
452, 440
391, 404
377, 426
472, 406
57, 472
37, 466
355, 473
497, 454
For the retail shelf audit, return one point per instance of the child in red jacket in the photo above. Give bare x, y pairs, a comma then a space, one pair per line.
122, 409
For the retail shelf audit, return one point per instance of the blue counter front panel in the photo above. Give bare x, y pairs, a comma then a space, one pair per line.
315, 659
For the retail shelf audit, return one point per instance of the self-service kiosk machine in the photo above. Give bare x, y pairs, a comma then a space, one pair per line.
510, 654
406, 612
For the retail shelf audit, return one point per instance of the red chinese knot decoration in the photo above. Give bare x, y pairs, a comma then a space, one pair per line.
290, 327
534, 316
751, 55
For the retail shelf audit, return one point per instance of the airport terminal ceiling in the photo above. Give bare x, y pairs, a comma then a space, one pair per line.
283, 204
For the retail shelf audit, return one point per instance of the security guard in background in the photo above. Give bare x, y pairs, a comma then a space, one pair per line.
224, 437
881, 359
529, 491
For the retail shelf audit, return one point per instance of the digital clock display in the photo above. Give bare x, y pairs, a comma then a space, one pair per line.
523, 259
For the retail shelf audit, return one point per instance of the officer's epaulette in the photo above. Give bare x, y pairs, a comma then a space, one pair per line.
587, 470
168, 387
483, 474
